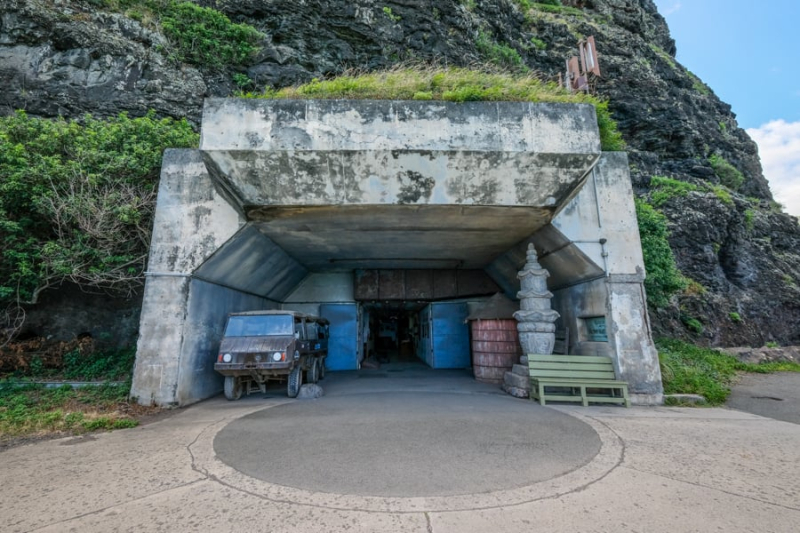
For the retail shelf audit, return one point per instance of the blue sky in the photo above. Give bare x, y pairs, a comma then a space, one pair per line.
748, 53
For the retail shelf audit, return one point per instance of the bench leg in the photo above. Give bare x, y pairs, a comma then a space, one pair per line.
584, 399
541, 394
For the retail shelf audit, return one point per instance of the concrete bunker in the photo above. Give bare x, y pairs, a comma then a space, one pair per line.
373, 213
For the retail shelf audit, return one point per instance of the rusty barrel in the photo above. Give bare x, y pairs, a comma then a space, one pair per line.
495, 349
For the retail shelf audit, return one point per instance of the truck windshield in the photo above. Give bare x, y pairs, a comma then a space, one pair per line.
259, 325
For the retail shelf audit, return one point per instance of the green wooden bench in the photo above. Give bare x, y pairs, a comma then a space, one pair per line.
579, 374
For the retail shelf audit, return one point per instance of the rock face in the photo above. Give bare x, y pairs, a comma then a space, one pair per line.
67, 57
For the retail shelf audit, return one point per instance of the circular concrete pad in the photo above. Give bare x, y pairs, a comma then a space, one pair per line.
405, 444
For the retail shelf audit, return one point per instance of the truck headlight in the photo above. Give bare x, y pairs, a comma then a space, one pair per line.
276, 356
226, 358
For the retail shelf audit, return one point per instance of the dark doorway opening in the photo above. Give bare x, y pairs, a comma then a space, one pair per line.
391, 335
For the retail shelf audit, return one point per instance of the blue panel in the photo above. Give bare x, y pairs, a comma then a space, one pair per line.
342, 344
450, 335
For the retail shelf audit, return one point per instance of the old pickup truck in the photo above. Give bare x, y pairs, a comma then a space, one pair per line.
258, 346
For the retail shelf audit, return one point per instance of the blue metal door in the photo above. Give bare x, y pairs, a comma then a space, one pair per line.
343, 340
450, 335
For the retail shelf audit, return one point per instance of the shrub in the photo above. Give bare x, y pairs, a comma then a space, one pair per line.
451, 84
77, 199
663, 277
728, 175
205, 36
735, 317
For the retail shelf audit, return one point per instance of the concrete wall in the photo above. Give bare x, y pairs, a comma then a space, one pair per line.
330, 152
604, 209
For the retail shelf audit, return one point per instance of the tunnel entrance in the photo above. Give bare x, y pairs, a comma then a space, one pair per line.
389, 219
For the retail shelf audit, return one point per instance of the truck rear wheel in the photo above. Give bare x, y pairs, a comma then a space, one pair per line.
294, 382
233, 387
321, 361
312, 374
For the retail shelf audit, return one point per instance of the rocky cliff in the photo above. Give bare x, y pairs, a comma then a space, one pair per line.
739, 251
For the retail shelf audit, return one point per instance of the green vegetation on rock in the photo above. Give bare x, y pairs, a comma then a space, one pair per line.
664, 188
200, 35
663, 277
205, 36
689, 369
77, 199
728, 175
449, 84
498, 54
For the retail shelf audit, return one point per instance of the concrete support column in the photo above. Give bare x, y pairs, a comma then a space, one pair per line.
191, 222
630, 339
155, 376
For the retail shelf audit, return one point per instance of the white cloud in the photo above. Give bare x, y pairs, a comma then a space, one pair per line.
672, 9
779, 146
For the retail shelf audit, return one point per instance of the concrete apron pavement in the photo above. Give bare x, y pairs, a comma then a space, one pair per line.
657, 469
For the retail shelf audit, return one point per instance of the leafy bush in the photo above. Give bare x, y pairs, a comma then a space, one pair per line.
451, 84
735, 317
728, 175
77, 199
663, 277
205, 36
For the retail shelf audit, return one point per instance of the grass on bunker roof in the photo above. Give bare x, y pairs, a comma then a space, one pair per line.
451, 84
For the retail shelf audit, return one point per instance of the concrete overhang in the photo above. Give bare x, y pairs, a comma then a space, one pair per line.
397, 184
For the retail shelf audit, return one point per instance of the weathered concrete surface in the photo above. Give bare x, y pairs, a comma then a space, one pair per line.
681, 470
413, 237
182, 317
251, 262
324, 125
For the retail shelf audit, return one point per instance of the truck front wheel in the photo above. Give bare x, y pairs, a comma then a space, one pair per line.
294, 382
233, 387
